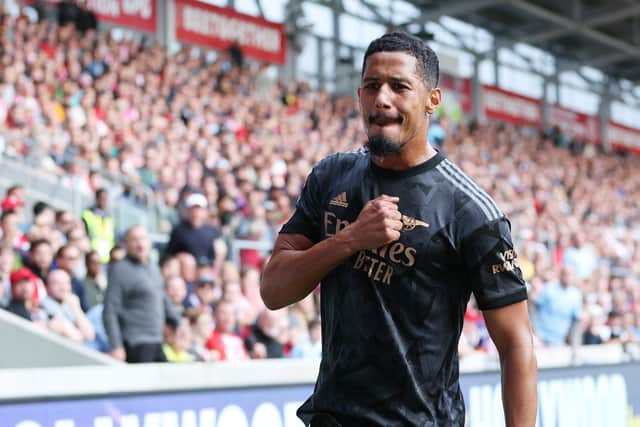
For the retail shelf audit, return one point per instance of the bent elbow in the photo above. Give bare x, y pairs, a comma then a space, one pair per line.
266, 293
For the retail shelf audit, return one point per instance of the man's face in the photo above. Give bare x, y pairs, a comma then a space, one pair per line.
225, 317
197, 216
69, 259
394, 102
138, 245
58, 284
42, 256
102, 200
94, 265
23, 290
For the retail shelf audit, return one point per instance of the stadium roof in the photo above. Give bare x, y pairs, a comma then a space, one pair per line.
604, 34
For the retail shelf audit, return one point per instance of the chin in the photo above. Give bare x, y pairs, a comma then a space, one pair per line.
382, 145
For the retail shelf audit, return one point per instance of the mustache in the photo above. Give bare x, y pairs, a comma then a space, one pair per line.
379, 117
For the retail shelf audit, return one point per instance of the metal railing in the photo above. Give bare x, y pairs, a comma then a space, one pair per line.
63, 192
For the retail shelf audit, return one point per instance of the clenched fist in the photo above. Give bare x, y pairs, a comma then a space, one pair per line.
378, 223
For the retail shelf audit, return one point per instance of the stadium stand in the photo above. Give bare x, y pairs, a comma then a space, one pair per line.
182, 132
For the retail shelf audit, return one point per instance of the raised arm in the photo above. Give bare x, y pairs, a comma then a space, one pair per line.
297, 265
510, 330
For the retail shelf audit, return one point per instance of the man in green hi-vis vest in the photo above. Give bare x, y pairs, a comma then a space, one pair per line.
99, 224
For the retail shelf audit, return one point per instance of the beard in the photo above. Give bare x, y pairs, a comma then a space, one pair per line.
380, 145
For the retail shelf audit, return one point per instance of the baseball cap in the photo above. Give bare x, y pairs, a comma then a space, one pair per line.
21, 274
196, 199
11, 202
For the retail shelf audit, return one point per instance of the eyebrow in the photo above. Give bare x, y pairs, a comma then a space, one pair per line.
393, 79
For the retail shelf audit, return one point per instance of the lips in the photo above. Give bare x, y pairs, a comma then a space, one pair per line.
382, 120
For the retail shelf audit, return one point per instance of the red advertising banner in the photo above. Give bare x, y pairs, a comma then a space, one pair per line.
462, 89
510, 107
219, 28
137, 14
623, 137
577, 125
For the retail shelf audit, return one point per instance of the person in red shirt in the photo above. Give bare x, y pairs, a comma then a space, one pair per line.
224, 339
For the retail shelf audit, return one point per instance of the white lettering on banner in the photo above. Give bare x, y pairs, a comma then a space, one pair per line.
572, 402
232, 416
137, 7
105, 7
622, 136
129, 7
230, 29
103, 422
266, 415
511, 105
207, 417
188, 419
290, 417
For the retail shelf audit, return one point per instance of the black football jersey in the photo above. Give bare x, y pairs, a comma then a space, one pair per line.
392, 317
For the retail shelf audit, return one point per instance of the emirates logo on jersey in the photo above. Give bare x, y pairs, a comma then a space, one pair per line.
409, 223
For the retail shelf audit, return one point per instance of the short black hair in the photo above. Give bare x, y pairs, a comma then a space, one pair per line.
38, 242
40, 207
100, 191
399, 41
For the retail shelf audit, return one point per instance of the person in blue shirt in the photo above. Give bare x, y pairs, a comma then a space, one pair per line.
559, 306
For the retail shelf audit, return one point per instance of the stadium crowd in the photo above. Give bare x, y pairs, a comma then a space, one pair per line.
226, 148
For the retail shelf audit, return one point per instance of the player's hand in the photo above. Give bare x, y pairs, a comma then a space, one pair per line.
378, 223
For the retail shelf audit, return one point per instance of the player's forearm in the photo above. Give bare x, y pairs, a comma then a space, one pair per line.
292, 274
519, 385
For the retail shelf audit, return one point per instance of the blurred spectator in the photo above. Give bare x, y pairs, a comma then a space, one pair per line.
63, 309
251, 289
169, 266
135, 307
67, 259
176, 290
14, 200
39, 260
177, 342
99, 225
64, 221
22, 288
205, 295
11, 234
224, 339
117, 253
202, 326
95, 282
195, 236
559, 307
43, 215
7, 260
310, 346
263, 341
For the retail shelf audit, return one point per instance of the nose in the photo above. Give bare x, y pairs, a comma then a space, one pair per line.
382, 99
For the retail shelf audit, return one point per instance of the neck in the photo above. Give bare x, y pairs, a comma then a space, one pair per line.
406, 159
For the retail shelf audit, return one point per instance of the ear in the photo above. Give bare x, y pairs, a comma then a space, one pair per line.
359, 90
434, 99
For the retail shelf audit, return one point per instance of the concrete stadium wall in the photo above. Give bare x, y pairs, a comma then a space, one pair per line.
25, 345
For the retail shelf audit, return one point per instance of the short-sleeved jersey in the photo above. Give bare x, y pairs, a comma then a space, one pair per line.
392, 317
